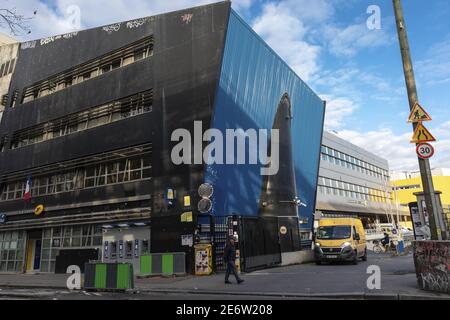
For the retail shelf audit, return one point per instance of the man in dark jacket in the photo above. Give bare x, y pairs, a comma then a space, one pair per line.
229, 257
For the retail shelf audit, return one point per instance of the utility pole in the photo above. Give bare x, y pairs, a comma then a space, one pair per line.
424, 164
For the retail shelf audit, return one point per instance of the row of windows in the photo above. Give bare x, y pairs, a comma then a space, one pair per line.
94, 68
94, 176
415, 186
86, 236
7, 68
339, 158
94, 117
349, 190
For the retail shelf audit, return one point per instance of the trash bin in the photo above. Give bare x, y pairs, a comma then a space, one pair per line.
108, 276
163, 264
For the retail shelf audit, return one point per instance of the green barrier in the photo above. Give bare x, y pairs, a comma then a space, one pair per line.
108, 276
163, 264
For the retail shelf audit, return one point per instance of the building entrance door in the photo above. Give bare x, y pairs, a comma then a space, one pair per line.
34, 245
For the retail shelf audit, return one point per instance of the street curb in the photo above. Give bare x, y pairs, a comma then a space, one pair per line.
13, 286
337, 296
345, 295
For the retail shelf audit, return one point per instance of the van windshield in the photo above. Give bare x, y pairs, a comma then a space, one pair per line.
334, 232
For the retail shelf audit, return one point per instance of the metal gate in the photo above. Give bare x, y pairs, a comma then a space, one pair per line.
260, 240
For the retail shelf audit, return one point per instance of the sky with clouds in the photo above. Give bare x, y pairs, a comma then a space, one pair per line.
327, 42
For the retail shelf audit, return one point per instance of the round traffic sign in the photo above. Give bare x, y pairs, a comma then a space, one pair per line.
425, 150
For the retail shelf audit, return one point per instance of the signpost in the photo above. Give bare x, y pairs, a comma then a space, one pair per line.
418, 114
417, 118
421, 134
425, 150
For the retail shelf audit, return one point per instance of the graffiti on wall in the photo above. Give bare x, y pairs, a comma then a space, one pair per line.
28, 45
137, 23
112, 28
432, 262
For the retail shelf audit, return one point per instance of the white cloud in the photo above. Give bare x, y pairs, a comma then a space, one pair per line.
337, 111
285, 33
346, 42
386, 144
397, 147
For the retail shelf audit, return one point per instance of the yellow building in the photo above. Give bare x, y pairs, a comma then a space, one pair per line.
404, 189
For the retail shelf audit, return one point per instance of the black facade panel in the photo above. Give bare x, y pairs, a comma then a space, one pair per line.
105, 193
183, 72
77, 257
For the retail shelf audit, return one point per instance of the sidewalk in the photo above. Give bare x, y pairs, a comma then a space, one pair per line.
398, 281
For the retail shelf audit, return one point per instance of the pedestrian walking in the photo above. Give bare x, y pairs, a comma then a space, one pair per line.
229, 257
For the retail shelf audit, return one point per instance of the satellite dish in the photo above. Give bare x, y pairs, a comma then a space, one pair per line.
206, 190
204, 205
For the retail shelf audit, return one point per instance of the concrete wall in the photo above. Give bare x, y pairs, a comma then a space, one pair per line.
297, 257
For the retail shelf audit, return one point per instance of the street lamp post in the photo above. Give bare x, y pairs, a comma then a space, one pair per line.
424, 164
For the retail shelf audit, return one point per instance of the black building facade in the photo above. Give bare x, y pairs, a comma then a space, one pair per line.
86, 133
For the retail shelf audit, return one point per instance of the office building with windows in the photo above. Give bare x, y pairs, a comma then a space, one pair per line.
86, 171
354, 181
405, 185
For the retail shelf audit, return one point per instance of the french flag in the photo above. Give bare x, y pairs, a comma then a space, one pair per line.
27, 193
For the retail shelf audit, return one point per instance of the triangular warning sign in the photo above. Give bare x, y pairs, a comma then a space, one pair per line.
421, 134
418, 114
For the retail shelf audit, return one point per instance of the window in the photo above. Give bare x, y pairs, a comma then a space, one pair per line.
105, 68
68, 82
116, 64
11, 67
139, 54
5, 72
87, 75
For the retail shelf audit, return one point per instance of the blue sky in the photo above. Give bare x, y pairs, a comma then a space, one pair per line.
327, 42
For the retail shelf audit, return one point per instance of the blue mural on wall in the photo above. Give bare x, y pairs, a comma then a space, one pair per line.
253, 80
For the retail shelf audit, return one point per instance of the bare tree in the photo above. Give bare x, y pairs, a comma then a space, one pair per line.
16, 22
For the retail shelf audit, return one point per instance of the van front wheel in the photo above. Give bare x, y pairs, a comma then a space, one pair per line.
355, 257
364, 257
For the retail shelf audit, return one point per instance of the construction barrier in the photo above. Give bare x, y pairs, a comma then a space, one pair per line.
432, 262
108, 276
163, 264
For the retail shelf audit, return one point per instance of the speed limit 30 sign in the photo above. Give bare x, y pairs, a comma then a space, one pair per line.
425, 150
